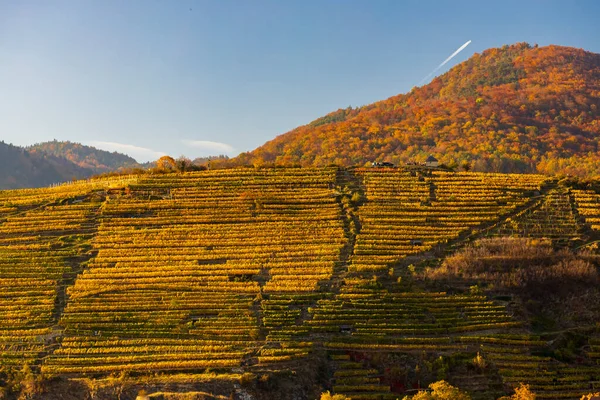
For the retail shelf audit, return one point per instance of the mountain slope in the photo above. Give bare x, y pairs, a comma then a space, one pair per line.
517, 108
20, 168
258, 283
97, 160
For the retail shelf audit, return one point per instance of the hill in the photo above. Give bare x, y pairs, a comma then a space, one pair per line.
20, 168
262, 282
96, 160
512, 109
53, 162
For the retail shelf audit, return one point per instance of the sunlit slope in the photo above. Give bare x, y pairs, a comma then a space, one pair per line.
379, 316
213, 274
44, 236
517, 108
411, 212
184, 262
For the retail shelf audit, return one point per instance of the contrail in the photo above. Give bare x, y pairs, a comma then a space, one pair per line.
461, 48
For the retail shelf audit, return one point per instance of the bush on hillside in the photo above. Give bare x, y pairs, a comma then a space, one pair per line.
328, 396
440, 390
591, 396
521, 393
518, 263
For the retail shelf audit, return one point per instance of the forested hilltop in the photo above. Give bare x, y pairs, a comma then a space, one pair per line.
99, 161
20, 168
279, 283
518, 108
55, 162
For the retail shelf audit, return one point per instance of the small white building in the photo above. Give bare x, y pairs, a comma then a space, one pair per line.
431, 162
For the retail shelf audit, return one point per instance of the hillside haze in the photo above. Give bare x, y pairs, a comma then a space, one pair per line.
53, 162
518, 108
88, 157
20, 168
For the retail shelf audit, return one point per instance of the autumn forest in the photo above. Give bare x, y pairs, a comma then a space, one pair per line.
518, 108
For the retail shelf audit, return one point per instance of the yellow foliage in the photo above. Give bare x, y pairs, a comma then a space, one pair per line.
166, 163
591, 396
328, 396
440, 390
521, 393
479, 361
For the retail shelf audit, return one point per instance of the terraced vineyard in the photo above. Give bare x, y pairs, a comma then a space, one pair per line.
407, 214
554, 218
588, 205
233, 277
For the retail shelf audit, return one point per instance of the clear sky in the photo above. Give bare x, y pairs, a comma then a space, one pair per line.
196, 78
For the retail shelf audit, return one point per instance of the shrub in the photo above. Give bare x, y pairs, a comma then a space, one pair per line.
142, 395
521, 393
591, 396
479, 361
518, 263
329, 396
440, 390
247, 378
356, 198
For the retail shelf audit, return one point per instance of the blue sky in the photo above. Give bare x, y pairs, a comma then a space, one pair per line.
196, 78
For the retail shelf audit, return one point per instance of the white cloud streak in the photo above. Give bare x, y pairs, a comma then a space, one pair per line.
139, 153
210, 148
461, 48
